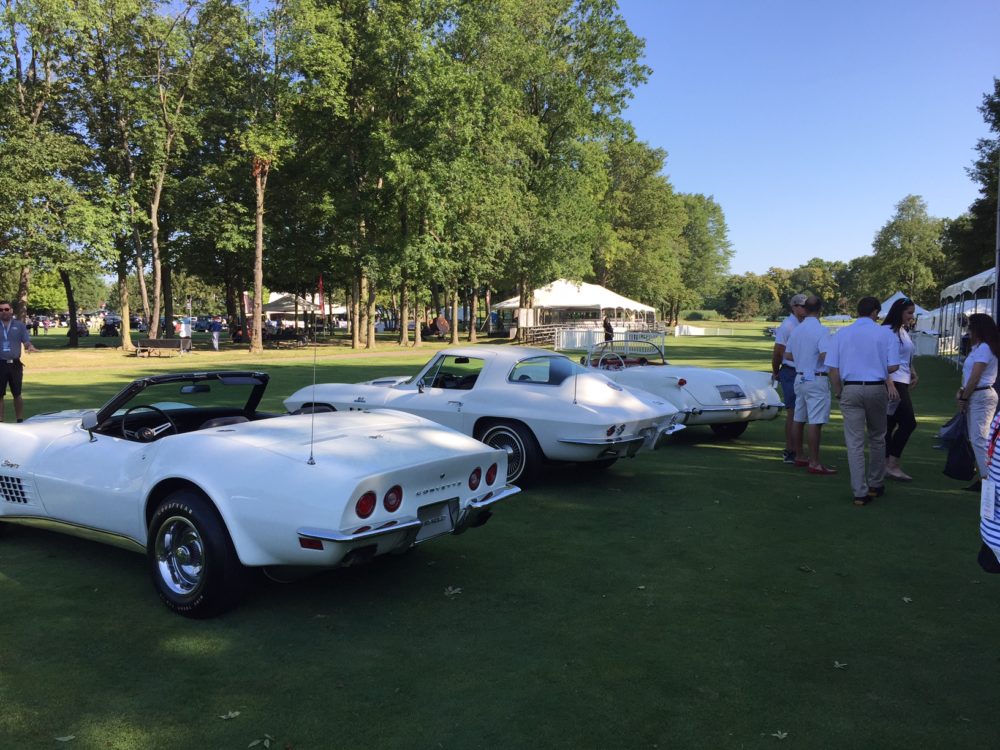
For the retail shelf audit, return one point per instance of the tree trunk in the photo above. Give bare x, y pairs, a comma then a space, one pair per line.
454, 317
355, 311
260, 171
370, 315
154, 231
404, 314
471, 318
418, 320
489, 314
168, 302
74, 336
23, 286
123, 294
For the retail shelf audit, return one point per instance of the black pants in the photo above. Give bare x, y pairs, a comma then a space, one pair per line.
901, 424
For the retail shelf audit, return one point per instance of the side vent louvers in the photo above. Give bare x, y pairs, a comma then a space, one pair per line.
12, 490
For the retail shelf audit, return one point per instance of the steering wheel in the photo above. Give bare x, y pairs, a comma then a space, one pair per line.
147, 434
607, 361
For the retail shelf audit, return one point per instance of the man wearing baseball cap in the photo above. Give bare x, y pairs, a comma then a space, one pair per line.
784, 373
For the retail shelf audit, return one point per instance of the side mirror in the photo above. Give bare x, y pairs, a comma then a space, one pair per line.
89, 420
420, 385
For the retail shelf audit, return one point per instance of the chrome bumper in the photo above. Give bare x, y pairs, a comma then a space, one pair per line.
409, 525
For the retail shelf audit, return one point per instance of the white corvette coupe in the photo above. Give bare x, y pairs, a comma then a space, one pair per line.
726, 400
184, 468
532, 403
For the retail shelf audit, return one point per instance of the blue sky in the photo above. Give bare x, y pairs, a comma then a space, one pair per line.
809, 121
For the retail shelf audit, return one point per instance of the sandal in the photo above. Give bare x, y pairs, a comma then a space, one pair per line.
899, 475
824, 470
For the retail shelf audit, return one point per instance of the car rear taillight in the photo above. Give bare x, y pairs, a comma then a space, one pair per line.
474, 478
491, 475
393, 499
366, 504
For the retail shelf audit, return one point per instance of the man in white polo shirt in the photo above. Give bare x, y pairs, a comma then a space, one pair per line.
806, 350
784, 373
860, 360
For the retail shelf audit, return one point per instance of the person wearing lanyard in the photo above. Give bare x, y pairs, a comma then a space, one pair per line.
783, 372
976, 398
13, 336
860, 361
807, 350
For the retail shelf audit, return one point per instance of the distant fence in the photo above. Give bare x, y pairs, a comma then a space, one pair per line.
581, 339
686, 330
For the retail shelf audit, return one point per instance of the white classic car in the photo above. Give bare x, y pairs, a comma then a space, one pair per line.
534, 404
184, 468
726, 400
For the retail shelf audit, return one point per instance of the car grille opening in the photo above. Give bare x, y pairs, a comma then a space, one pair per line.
12, 489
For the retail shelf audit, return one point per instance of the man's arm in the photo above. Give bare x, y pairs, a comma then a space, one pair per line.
776, 358
835, 381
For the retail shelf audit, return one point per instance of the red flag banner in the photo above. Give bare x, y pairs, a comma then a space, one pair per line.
322, 301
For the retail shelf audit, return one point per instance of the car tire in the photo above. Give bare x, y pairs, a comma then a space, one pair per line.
524, 457
729, 430
191, 557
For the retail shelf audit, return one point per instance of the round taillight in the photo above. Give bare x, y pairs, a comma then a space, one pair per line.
682, 382
366, 504
474, 478
491, 474
611, 431
393, 499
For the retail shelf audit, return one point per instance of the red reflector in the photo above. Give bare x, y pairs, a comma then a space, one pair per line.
681, 381
306, 543
393, 499
611, 431
387, 524
361, 529
474, 478
491, 474
365, 505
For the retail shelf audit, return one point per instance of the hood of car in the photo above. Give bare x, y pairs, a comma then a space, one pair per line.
368, 439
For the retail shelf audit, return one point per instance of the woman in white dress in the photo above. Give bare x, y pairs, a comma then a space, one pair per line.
977, 398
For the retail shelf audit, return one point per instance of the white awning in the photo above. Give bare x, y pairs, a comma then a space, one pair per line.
569, 295
970, 285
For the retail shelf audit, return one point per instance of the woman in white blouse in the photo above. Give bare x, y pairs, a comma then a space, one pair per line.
901, 422
976, 398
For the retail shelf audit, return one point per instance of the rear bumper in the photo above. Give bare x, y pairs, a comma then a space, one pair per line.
408, 527
740, 413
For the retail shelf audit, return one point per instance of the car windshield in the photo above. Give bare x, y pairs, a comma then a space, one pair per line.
227, 393
452, 372
547, 370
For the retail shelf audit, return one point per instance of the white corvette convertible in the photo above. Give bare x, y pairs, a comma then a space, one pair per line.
726, 400
532, 403
184, 468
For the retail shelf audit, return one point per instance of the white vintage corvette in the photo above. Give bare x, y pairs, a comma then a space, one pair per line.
726, 400
184, 468
532, 403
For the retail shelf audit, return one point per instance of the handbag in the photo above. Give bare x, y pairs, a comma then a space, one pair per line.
961, 461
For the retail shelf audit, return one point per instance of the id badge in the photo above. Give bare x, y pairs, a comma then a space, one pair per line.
6, 346
988, 501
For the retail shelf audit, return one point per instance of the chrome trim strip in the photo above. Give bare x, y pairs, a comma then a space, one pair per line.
329, 535
613, 441
78, 530
730, 409
495, 497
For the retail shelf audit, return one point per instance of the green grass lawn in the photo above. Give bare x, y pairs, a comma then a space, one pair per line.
704, 595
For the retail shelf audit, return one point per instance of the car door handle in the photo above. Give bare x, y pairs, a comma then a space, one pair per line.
455, 403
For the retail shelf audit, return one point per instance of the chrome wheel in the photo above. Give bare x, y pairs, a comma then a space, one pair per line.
523, 454
180, 555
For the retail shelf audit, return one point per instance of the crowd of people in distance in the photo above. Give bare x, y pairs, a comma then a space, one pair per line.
869, 369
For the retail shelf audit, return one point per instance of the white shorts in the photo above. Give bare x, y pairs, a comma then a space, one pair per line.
812, 400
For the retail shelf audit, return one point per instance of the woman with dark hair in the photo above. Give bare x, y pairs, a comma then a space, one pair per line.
901, 421
976, 398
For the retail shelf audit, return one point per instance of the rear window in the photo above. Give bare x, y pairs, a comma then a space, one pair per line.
544, 370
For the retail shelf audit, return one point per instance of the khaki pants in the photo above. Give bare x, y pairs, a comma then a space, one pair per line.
863, 408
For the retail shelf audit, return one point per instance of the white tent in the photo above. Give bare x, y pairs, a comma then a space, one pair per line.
917, 309
288, 304
567, 295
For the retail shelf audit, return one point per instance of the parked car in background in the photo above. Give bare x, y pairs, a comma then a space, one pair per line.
184, 468
533, 403
726, 400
